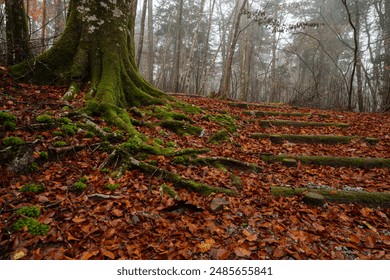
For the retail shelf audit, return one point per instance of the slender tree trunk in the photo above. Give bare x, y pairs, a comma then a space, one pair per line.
177, 49
44, 25
227, 71
190, 61
150, 42
142, 33
386, 71
359, 78
17, 33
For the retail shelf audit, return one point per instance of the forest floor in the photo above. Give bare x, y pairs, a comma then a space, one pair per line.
70, 202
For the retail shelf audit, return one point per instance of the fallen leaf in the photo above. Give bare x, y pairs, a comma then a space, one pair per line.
223, 254
117, 212
107, 253
206, 245
242, 252
88, 255
78, 220
21, 253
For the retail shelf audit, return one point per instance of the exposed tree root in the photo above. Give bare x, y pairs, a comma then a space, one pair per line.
373, 199
177, 180
333, 161
228, 163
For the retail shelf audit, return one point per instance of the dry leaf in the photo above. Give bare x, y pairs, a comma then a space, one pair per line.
117, 212
223, 254
21, 253
78, 220
107, 253
242, 252
88, 255
206, 245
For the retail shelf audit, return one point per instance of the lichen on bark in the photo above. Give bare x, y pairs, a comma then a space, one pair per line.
97, 47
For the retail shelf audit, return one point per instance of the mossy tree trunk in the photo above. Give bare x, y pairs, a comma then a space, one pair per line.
18, 47
97, 46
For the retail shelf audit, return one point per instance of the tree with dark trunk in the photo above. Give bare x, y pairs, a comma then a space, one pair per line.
97, 46
18, 47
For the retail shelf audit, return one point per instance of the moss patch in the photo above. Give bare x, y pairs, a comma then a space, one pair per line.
219, 136
12, 141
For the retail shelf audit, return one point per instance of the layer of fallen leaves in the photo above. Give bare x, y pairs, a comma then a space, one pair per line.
138, 221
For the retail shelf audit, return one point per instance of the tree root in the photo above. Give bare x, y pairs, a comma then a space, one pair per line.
373, 199
227, 162
177, 180
333, 161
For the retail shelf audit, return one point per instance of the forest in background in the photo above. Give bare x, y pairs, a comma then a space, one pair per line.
323, 54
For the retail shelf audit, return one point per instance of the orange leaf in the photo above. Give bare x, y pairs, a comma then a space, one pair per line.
242, 252
354, 238
117, 212
78, 220
88, 255
107, 253
71, 237
223, 254
249, 236
206, 245
279, 251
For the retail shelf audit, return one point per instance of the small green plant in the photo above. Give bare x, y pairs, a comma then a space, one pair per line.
12, 141
60, 144
65, 120
33, 226
33, 188
171, 144
107, 129
105, 170
112, 187
58, 133
84, 179
69, 129
29, 211
9, 125
43, 155
44, 118
4, 117
33, 167
79, 186
89, 134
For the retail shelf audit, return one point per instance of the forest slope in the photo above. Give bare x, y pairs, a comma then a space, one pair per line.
62, 198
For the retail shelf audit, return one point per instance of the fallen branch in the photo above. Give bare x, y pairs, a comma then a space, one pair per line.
104, 196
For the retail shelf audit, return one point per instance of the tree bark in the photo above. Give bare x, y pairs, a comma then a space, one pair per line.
97, 46
18, 47
142, 33
227, 71
150, 41
177, 49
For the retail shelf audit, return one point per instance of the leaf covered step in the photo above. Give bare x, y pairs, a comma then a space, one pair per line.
268, 123
333, 161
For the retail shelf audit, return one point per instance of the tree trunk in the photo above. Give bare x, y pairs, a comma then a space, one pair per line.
227, 71
18, 47
44, 23
142, 33
97, 46
386, 71
177, 49
150, 41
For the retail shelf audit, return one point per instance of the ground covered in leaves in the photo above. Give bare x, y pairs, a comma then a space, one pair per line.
61, 198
